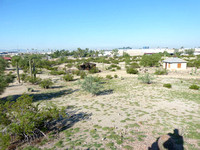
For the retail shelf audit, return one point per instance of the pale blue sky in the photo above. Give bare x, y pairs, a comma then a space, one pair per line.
69, 24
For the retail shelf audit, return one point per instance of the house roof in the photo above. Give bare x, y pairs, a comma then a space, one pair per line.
174, 60
7, 58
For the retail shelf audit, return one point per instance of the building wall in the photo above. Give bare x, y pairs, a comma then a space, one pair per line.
174, 66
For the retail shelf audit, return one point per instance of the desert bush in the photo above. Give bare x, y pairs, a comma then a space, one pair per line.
54, 72
33, 80
115, 61
23, 76
10, 77
115, 76
118, 68
94, 70
134, 65
146, 78
167, 85
131, 70
46, 83
194, 87
161, 72
83, 75
113, 70
68, 77
70, 65
26, 124
91, 85
109, 77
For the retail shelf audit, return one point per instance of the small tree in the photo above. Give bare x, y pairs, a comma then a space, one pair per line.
91, 85
189, 51
115, 52
150, 60
146, 78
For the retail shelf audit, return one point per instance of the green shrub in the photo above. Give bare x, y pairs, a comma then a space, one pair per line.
25, 120
23, 76
94, 70
83, 75
131, 70
10, 77
109, 77
134, 65
69, 65
68, 77
91, 85
46, 83
194, 87
113, 70
115, 76
54, 72
118, 68
167, 85
161, 72
146, 78
33, 80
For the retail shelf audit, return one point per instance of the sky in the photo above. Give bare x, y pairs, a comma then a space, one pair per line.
99, 24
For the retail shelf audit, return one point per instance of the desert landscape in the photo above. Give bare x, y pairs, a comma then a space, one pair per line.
127, 114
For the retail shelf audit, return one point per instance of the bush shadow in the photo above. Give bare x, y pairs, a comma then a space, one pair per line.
40, 96
105, 92
175, 142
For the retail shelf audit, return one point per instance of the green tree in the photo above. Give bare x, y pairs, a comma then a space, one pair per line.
189, 51
150, 60
115, 52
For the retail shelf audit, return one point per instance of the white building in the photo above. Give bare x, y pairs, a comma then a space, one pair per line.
174, 64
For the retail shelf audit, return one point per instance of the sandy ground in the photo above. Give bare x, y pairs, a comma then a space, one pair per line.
131, 115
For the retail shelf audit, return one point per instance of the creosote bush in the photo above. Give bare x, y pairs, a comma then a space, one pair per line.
94, 70
46, 83
25, 121
68, 77
194, 87
167, 85
131, 70
33, 80
146, 78
161, 72
91, 85
115, 76
109, 77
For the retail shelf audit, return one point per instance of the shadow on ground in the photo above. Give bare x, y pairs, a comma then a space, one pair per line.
175, 142
40, 96
105, 92
74, 116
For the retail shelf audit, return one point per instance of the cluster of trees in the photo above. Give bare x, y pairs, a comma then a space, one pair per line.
78, 53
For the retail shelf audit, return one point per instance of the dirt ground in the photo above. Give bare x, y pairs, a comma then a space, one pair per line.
127, 115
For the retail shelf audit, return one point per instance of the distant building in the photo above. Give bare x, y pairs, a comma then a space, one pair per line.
146, 47
7, 58
174, 64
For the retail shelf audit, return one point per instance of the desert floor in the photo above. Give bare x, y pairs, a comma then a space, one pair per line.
127, 115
